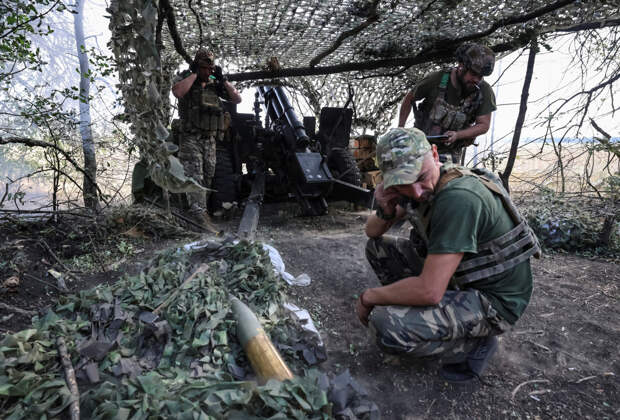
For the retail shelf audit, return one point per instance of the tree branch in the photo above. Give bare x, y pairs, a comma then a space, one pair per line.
442, 49
521, 116
606, 140
373, 18
38, 143
74, 407
17, 310
189, 4
39, 16
166, 8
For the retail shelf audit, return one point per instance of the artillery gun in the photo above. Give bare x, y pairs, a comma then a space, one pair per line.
285, 158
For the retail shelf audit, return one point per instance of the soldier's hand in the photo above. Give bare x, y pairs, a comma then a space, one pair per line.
363, 310
386, 199
217, 72
452, 136
193, 67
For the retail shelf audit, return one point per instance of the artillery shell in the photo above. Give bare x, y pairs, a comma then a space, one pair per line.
264, 358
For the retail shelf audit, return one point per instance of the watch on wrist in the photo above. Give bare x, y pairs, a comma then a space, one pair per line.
381, 215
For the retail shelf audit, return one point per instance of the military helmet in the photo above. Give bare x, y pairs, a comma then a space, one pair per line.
204, 57
400, 154
476, 57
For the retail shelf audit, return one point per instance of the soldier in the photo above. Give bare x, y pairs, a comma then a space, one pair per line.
456, 102
203, 123
469, 280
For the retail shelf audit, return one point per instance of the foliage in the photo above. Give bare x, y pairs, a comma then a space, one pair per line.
19, 21
186, 363
145, 90
570, 222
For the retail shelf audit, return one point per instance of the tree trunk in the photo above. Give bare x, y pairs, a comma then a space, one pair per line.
88, 145
521, 117
604, 237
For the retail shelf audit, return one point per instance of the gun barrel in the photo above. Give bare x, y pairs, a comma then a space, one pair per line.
264, 358
279, 108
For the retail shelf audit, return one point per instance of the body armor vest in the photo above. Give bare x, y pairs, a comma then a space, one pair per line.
495, 256
201, 108
444, 117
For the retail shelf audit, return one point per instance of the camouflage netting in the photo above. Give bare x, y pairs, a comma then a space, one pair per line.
185, 361
374, 49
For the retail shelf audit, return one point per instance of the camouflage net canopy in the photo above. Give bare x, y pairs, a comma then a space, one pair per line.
372, 51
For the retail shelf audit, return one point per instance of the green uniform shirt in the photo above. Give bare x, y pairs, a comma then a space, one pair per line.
465, 214
428, 89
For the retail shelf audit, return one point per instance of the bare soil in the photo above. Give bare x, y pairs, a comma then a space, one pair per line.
560, 361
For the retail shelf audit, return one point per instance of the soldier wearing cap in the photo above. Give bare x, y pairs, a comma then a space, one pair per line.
468, 280
200, 91
456, 102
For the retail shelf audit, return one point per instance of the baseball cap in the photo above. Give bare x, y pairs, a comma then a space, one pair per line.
400, 154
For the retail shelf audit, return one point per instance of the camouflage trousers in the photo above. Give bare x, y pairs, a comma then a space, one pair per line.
197, 154
449, 330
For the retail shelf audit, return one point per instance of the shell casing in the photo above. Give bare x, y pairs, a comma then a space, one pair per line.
265, 359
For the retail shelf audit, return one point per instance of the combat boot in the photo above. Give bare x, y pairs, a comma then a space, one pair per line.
475, 364
202, 218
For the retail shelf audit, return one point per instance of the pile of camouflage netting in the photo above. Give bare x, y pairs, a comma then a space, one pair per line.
183, 360
573, 223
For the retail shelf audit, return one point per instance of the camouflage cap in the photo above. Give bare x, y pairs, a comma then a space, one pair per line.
400, 154
476, 57
204, 57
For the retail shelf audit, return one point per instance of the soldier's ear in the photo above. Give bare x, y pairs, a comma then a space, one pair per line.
434, 152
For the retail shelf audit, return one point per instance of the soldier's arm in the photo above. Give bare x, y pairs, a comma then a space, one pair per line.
183, 86
388, 201
405, 108
376, 226
233, 94
481, 126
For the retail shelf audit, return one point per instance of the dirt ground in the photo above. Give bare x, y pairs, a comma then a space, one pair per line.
560, 361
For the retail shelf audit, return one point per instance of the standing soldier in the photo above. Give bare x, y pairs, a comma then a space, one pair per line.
203, 122
456, 102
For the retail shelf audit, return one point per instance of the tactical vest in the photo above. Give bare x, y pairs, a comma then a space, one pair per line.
201, 108
495, 256
444, 117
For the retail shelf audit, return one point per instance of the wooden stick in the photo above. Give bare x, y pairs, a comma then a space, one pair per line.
17, 310
201, 269
74, 408
535, 381
180, 216
42, 241
45, 282
35, 212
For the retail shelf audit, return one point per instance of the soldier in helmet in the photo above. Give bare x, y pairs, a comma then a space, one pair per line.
200, 91
469, 280
456, 102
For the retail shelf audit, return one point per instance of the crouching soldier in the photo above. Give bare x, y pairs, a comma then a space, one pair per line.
468, 280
